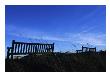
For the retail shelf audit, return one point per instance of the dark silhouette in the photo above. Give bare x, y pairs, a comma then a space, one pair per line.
86, 50
88, 60
19, 48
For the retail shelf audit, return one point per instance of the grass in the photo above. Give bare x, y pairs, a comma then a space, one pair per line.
62, 62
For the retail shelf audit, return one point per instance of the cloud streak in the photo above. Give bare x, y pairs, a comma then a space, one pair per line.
84, 37
32, 34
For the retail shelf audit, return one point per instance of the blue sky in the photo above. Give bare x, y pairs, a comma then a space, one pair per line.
69, 26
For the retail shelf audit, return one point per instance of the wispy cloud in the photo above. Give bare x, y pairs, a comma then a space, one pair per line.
88, 36
83, 37
32, 34
93, 39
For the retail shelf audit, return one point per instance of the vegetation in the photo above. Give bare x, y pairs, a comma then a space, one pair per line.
60, 62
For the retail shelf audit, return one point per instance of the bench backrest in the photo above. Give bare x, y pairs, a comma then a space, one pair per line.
92, 49
19, 48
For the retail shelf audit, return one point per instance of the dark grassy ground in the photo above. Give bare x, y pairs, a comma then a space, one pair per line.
58, 63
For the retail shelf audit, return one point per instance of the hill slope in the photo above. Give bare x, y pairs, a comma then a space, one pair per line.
58, 63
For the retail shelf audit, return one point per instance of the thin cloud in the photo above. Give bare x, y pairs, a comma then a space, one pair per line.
32, 34
83, 37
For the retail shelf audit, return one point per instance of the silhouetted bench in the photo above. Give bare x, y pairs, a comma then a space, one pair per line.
78, 51
86, 50
22, 48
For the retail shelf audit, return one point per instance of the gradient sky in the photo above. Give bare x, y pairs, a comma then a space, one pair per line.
69, 27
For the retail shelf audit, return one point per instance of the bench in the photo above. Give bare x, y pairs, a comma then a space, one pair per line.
86, 50
22, 48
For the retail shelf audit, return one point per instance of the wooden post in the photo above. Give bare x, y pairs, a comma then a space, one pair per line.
24, 50
53, 47
21, 48
47, 48
28, 48
76, 51
43, 48
18, 47
12, 49
95, 49
31, 48
8, 50
82, 48
15, 47
26, 45
35, 48
38, 48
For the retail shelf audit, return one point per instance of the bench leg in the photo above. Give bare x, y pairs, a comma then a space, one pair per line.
12, 57
7, 56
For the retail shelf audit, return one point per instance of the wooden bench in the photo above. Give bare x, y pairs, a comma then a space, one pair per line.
19, 48
86, 50
92, 49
